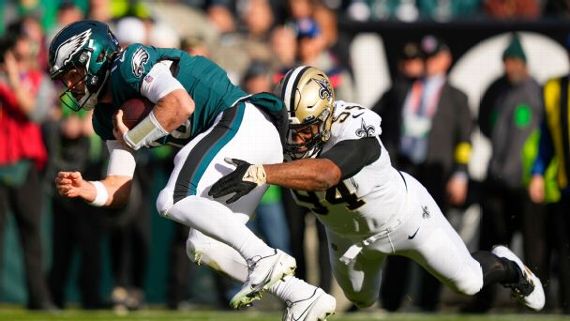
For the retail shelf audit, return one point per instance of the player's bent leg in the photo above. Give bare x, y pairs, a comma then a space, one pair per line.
440, 250
200, 164
528, 287
266, 266
304, 301
436, 246
450, 262
446, 257
218, 222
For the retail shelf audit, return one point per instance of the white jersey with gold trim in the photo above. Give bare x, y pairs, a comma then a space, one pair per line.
380, 211
372, 199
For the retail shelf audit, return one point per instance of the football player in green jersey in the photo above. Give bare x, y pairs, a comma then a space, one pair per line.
198, 109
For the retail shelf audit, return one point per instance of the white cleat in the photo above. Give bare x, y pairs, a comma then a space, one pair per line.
317, 307
263, 273
529, 290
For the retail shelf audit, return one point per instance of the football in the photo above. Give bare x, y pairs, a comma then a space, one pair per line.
135, 110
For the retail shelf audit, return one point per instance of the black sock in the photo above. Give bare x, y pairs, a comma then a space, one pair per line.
497, 269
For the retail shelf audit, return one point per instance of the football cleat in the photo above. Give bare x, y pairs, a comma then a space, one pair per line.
529, 289
263, 273
317, 307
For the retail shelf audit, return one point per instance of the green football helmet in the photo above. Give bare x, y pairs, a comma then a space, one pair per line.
84, 52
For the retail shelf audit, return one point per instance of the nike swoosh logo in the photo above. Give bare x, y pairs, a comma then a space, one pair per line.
356, 116
258, 287
413, 235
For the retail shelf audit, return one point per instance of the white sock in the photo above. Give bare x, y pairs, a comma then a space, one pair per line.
220, 223
292, 289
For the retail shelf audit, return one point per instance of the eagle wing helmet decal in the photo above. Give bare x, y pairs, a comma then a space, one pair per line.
69, 48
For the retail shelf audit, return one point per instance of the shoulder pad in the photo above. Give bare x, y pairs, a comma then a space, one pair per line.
352, 121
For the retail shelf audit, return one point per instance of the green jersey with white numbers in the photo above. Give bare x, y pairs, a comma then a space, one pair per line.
205, 82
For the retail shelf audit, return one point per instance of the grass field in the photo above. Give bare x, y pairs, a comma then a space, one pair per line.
161, 315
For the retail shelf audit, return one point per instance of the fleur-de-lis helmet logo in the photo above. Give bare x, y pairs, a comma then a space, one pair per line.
325, 91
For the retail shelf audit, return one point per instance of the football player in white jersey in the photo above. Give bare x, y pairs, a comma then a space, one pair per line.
340, 169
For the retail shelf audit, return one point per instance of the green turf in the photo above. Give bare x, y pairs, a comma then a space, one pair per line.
160, 315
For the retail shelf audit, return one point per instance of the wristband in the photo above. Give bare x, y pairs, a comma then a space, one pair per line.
255, 174
144, 133
101, 194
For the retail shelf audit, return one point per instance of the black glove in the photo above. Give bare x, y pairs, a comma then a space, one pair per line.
241, 181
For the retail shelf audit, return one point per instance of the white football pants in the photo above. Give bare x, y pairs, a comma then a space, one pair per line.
424, 236
242, 132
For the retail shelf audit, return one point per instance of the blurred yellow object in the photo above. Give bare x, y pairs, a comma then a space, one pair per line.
529, 154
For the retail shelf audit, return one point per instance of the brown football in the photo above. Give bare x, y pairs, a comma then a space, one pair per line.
135, 110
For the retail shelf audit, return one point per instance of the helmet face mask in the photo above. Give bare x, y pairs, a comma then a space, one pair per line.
87, 48
307, 140
76, 95
309, 97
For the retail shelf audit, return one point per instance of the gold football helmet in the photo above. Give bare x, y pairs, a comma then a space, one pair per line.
309, 97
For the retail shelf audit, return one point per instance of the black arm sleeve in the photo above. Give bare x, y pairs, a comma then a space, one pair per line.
352, 155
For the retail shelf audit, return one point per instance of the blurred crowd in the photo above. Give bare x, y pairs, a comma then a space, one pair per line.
426, 124
446, 10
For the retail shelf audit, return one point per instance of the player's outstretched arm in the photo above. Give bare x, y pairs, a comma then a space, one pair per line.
308, 174
304, 174
342, 161
112, 191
